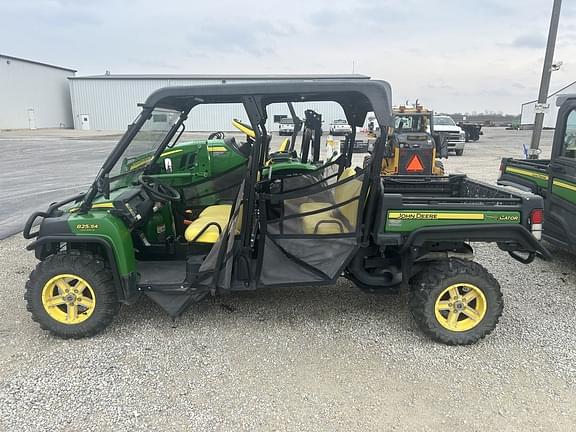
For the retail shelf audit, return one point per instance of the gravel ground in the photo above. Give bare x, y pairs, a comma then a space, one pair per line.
308, 359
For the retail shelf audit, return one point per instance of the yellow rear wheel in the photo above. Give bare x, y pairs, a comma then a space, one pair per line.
460, 307
456, 302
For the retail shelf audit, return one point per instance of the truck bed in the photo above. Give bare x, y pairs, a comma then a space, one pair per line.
452, 203
526, 174
457, 190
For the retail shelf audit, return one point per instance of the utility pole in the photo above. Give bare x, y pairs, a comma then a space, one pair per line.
540, 108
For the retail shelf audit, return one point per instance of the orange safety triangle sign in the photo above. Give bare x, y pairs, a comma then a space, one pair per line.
415, 165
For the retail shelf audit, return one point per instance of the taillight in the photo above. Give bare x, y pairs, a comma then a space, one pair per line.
536, 220
537, 216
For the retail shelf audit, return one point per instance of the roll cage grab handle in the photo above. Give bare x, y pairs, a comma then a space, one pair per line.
257, 117
297, 126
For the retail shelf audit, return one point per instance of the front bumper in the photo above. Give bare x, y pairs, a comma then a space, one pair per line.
456, 145
340, 131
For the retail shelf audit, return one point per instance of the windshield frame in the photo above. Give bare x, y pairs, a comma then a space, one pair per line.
155, 151
101, 183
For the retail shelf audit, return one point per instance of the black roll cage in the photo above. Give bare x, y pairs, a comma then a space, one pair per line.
356, 97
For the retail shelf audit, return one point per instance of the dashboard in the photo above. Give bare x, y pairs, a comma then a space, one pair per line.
134, 206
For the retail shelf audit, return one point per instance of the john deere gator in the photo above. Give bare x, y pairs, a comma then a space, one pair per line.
150, 225
553, 179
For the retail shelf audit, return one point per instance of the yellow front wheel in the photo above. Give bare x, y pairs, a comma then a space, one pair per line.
456, 302
68, 299
72, 295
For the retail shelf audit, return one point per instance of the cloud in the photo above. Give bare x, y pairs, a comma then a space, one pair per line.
361, 17
444, 52
51, 13
529, 41
518, 85
441, 86
255, 37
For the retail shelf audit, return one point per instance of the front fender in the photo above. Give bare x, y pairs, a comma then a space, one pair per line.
97, 228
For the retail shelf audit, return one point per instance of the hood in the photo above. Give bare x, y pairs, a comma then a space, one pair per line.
447, 128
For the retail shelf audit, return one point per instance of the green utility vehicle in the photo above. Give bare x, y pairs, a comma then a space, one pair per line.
146, 226
553, 179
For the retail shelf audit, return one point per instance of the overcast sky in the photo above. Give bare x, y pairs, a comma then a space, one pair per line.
455, 56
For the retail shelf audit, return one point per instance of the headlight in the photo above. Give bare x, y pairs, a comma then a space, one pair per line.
462, 135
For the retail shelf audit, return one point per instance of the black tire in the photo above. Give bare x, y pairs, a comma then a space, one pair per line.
93, 270
434, 280
459, 152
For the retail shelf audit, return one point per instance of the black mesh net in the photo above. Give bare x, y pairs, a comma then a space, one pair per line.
311, 232
325, 209
221, 189
217, 266
325, 175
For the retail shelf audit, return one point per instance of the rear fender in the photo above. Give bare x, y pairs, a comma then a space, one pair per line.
512, 238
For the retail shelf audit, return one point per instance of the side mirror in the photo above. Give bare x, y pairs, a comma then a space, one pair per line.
168, 165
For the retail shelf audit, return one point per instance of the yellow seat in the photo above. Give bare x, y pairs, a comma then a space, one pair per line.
312, 206
212, 221
323, 223
221, 211
210, 234
338, 220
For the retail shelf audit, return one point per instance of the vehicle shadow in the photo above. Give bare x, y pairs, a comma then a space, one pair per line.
293, 307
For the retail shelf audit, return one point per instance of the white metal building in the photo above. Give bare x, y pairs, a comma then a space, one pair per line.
528, 114
109, 102
33, 94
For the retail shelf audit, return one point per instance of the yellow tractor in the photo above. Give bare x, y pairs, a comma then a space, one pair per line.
412, 147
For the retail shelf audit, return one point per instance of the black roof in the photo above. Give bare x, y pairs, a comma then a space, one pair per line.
220, 77
358, 96
7, 57
563, 98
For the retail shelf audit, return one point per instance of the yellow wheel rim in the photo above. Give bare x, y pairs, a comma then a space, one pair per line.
460, 307
68, 299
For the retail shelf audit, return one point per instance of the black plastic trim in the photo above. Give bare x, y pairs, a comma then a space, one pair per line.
482, 233
124, 290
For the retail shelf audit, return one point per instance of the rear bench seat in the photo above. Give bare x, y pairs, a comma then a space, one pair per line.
338, 220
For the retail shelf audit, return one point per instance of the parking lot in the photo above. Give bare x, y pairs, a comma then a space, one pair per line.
330, 358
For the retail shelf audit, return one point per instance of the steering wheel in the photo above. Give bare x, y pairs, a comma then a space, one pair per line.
216, 135
157, 190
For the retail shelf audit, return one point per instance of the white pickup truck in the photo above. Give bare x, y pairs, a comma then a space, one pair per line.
340, 127
455, 136
286, 126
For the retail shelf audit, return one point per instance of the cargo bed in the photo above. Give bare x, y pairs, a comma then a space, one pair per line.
455, 207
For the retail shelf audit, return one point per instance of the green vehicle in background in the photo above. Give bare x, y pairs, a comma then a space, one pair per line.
553, 179
179, 221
